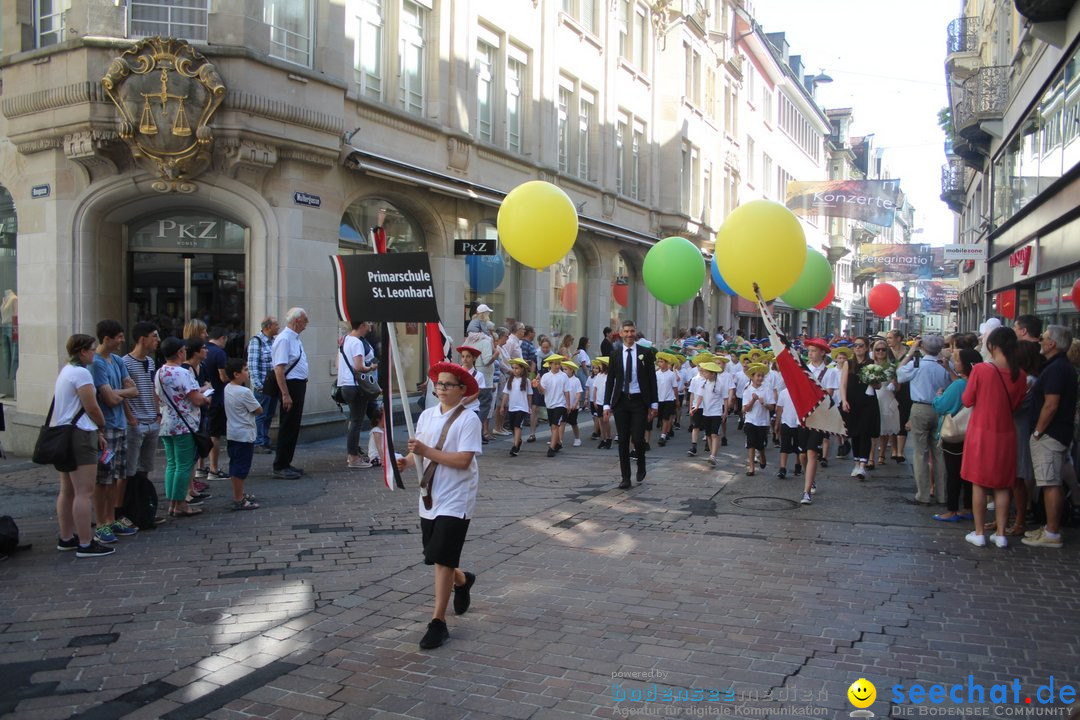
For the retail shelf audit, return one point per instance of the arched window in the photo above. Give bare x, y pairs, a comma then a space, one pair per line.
623, 293
491, 279
9, 303
403, 235
567, 296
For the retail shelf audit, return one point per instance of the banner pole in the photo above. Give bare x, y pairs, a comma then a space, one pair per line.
400, 373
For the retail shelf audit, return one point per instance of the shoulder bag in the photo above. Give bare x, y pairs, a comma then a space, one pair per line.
954, 427
54, 444
203, 442
428, 481
367, 389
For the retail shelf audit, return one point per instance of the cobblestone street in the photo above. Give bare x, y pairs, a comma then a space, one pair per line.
586, 595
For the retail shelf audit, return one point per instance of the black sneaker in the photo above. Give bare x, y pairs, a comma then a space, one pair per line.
692, 452
94, 549
823, 462
723, 440
66, 545
461, 594
648, 447
552, 452
515, 450
662, 441
798, 470
782, 473
435, 636
633, 454
558, 447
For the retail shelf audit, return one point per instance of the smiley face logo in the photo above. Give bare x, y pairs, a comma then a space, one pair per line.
862, 693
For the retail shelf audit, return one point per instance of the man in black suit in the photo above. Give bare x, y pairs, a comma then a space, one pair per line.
630, 395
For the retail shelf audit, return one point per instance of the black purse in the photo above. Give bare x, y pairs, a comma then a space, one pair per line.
203, 442
54, 444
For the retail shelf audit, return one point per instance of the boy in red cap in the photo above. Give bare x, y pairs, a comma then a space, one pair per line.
447, 441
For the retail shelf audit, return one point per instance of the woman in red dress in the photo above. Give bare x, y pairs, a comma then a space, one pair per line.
994, 390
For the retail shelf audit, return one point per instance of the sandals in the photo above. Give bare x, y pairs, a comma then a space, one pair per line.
870, 466
184, 513
898, 458
245, 504
531, 438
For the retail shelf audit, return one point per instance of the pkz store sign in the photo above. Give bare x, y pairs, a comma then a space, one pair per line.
188, 234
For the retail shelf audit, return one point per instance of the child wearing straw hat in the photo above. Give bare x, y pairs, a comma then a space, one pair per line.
756, 407
516, 397
696, 400
574, 393
716, 395
667, 386
596, 401
553, 387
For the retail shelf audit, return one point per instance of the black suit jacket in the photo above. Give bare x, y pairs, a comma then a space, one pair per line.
645, 370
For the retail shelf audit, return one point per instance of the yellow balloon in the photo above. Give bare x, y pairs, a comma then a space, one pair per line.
537, 224
761, 242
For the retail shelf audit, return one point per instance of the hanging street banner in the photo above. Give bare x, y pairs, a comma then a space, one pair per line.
872, 201
395, 287
936, 296
900, 261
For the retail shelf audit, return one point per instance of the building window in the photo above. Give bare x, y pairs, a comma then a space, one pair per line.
640, 41
486, 55
49, 21
622, 292
169, 18
729, 109
750, 161
637, 168
517, 65
692, 90
626, 9
564, 128
620, 149
686, 178
766, 106
414, 20
706, 195
368, 51
291, 29
584, 11
767, 175
710, 93
9, 302
490, 279
586, 108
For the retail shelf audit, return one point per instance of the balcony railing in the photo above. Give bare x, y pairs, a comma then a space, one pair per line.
963, 35
982, 96
953, 181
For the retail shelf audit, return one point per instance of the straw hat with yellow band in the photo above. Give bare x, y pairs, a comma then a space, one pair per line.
667, 357
601, 360
845, 351
570, 364
701, 358
757, 368
711, 367
767, 358
747, 358
555, 358
519, 361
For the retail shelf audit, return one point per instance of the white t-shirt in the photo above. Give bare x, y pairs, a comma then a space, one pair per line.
573, 386
555, 387
352, 347
481, 383
599, 383
666, 383
759, 414
696, 384
740, 379
240, 407
66, 394
714, 394
453, 491
775, 381
517, 398
686, 374
788, 416
286, 350
828, 377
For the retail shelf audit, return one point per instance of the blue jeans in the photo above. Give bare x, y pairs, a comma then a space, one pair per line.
262, 422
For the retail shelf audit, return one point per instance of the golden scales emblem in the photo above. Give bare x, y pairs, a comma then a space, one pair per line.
159, 81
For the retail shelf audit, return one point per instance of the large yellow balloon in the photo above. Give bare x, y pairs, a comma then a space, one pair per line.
537, 224
761, 242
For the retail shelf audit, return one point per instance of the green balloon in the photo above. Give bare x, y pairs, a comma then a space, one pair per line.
813, 284
674, 270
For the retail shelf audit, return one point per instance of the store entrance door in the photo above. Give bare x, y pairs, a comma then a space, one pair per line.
188, 267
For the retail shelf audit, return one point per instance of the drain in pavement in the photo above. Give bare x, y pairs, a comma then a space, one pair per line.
700, 507
206, 617
762, 502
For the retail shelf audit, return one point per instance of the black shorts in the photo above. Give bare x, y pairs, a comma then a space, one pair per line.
217, 420
556, 416
789, 439
697, 420
518, 419
756, 436
666, 409
813, 440
443, 539
597, 410
711, 424
571, 417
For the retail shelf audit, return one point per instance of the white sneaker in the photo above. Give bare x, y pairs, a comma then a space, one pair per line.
976, 539
577, 442
1000, 540
855, 471
806, 499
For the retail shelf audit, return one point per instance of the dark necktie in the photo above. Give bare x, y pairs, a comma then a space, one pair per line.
628, 375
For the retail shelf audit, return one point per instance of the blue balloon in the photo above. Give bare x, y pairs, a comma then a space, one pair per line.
719, 279
485, 272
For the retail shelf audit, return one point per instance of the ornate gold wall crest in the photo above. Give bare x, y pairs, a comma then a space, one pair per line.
165, 92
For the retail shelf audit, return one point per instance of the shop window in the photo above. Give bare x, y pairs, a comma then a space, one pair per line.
185, 19
622, 292
403, 234
492, 280
9, 303
567, 297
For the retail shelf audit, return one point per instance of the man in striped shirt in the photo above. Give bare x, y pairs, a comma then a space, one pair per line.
259, 364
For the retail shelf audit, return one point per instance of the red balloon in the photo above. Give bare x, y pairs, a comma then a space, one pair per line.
1006, 304
883, 299
1076, 294
828, 298
569, 297
621, 294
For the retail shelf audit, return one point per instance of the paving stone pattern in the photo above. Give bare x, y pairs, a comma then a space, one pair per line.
312, 606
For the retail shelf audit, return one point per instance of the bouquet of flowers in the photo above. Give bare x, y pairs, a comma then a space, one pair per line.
873, 375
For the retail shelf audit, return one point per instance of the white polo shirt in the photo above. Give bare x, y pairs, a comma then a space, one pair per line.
285, 351
453, 491
759, 414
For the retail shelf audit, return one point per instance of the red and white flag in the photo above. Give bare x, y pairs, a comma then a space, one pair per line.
814, 406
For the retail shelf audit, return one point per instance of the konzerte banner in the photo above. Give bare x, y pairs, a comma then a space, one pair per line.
901, 262
872, 201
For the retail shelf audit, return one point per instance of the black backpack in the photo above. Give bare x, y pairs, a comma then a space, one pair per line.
9, 535
141, 502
